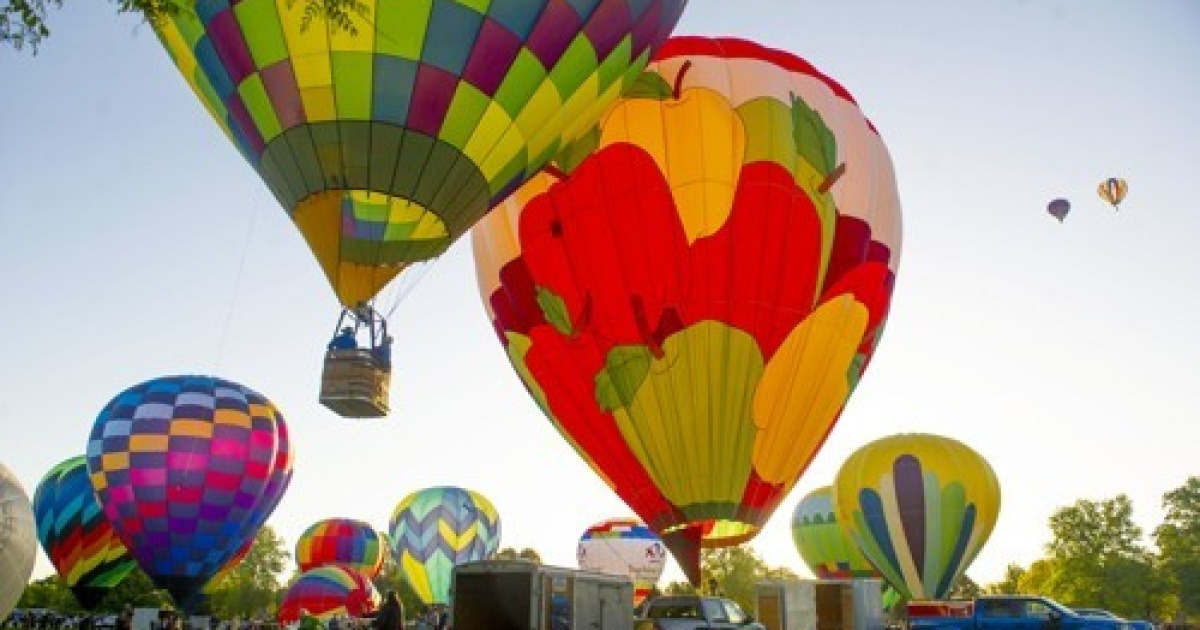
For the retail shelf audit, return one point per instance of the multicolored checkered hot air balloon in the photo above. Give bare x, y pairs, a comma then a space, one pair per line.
434, 529
693, 300
184, 468
342, 541
18, 540
624, 547
919, 507
825, 547
76, 535
327, 592
387, 140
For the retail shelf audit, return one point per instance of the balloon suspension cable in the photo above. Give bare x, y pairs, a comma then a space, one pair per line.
677, 89
554, 171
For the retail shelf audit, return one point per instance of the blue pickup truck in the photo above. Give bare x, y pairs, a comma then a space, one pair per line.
1015, 612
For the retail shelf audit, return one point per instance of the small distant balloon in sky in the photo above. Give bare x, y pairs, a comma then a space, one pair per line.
1059, 209
1112, 191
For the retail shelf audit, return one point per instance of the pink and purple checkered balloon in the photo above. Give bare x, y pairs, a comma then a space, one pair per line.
185, 469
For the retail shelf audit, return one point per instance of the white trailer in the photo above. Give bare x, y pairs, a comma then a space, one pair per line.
820, 604
519, 595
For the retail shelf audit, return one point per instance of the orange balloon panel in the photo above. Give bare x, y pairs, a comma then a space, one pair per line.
692, 291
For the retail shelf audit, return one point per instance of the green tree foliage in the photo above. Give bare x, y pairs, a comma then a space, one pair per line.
391, 579
734, 570
965, 588
136, 590
252, 589
679, 588
24, 22
1097, 561
1178, 540
1034, 581
510, 553
1010, 585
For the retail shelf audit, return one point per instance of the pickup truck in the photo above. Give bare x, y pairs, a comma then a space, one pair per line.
694, 612
1012, 612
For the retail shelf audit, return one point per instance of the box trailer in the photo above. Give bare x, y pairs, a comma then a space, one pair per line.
518, 595
820, 604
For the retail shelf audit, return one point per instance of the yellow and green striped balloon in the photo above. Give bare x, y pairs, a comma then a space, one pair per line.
387, 140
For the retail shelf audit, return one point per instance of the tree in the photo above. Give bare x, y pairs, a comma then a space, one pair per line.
1098, 561
136, 590
510, 553
680, 588
1034, 581
734, 570
391, 579
965, 588
1178, 540
252, 589
1010, 585
23, 22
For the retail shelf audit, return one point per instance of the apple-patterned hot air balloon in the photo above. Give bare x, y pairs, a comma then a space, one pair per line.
183, 467
386, 137
329, 591
627, 548
341, 541
18, 540
919, 507
75, 534
434, 529
692, 292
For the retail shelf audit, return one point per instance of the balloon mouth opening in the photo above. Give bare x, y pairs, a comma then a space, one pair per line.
720, 533
374, 228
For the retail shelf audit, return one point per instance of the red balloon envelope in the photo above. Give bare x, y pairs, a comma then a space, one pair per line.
184, 468
328, 591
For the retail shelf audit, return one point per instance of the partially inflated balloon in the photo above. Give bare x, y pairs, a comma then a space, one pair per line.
824, 546
75, 533
920, 507
327, 592
693, 298
18, 540
183, 467
627, 548
1113, 191
386, 141
343, 541
434, 529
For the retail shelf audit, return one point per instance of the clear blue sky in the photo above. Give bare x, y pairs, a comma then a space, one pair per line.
135, 242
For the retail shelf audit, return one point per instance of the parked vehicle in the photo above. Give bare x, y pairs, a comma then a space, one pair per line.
1009, 612
519, 595
1137, 624
695, 612
820, 604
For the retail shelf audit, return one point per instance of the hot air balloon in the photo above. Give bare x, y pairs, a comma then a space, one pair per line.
184, 468
329, 591
343, 541
1112, 191
18, 540
692, 301
75, 533
385, 141
1059, 209
434, 529
919, 507
826, 549
624, 547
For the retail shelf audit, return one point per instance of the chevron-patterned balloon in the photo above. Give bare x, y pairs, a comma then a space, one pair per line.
434, 529
75, 533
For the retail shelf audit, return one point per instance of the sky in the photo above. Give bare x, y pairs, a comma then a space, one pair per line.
135, 242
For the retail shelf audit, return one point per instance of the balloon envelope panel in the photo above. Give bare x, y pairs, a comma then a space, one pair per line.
825, 547
434, 529
385, 142
624, 547
76, 535
18, 540
341, 541
327, 592
183, 468
920, 507
693, 299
